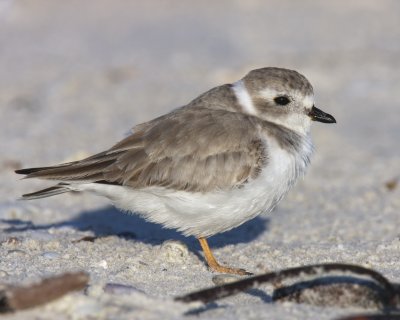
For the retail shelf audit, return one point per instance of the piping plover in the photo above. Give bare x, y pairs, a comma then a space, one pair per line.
209, 166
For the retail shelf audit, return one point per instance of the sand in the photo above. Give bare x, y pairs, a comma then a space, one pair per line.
77, 75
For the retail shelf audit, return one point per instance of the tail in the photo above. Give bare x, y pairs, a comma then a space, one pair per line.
48, 192
89, 170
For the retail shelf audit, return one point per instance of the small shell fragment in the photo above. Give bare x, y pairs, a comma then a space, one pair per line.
123, 289
174, 251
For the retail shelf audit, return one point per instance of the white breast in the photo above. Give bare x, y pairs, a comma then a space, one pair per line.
205, 214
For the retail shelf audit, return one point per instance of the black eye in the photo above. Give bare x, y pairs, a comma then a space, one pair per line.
282, 100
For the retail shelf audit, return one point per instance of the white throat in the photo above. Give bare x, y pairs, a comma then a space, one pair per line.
297, 122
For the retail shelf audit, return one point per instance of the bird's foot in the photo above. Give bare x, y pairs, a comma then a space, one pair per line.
221, 269
213, 263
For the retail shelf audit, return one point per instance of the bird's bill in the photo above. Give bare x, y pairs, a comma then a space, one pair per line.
318, 115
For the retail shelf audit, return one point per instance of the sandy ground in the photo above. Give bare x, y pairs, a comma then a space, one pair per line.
75, 76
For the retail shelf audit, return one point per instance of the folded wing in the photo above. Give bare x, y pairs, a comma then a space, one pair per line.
195, 150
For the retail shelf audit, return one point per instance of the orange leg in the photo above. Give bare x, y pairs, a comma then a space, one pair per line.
214, 265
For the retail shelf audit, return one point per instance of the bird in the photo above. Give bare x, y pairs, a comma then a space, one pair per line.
206, 167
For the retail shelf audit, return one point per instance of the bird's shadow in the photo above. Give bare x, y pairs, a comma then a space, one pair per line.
110, 221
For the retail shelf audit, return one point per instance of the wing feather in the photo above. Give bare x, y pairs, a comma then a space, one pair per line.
194, 149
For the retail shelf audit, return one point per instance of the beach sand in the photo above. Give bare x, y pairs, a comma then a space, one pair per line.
75, 76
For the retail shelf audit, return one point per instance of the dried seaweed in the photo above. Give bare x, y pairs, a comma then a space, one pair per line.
334, 284
14, 298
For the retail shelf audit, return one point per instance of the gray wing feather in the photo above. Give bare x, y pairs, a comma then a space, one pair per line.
197, 150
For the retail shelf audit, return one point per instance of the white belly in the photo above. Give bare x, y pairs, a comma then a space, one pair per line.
205, 214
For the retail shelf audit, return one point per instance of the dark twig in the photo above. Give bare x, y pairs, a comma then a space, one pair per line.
372, 317
218, 292
19, 298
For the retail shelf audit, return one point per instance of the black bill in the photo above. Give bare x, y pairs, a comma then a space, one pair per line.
318, 115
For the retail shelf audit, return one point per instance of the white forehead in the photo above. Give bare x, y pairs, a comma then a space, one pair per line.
306, 100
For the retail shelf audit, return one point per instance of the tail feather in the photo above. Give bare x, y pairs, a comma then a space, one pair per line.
48, 192
73, 171
28, 171
87, 170
70, 173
